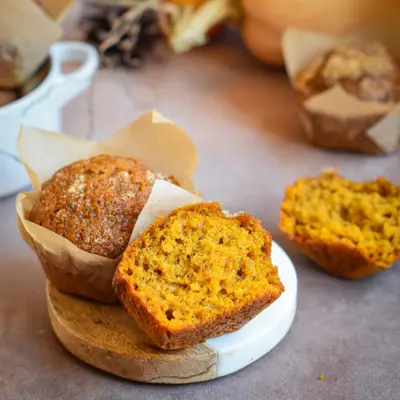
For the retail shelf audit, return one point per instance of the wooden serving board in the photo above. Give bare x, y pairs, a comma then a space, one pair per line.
106, 337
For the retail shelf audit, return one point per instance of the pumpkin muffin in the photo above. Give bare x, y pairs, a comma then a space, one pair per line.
95, 203
197, 273
351, 229
364, 70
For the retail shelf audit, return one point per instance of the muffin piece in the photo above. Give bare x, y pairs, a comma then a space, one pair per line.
196, 274
351, 229
365, 71
95, 203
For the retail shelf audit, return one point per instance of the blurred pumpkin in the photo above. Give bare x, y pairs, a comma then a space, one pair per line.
262, 22
265, 20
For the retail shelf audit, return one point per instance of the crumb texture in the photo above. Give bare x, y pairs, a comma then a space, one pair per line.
359, 215
95, 203
198, 264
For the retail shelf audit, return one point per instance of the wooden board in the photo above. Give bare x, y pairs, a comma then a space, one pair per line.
106, 337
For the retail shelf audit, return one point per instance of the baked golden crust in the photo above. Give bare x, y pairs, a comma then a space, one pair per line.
95, 203
351, 229
170, 339
338, 259
211, 308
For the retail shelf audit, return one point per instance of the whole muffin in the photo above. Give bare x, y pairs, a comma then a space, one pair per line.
365, 70
95, 203
351, 229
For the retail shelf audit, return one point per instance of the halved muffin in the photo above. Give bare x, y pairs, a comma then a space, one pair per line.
351, 229
197, 273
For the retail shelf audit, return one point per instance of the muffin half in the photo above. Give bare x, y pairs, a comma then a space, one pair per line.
197, 273
351, 229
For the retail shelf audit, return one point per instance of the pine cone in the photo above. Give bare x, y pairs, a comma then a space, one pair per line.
124, 36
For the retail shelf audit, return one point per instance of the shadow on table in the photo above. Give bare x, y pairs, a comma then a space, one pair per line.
256, 96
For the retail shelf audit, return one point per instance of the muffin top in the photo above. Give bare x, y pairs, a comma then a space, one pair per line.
95, 203
363, 69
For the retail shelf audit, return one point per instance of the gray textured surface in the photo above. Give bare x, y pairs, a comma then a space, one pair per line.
242, 118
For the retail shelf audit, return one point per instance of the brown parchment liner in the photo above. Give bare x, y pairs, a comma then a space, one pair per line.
151, 139
335, 119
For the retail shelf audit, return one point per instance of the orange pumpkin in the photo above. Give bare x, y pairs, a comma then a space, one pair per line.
265, 20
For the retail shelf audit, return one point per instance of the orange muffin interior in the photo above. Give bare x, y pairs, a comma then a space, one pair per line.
198, 263
333, 209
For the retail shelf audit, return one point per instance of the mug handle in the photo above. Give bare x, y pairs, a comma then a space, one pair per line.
65, 86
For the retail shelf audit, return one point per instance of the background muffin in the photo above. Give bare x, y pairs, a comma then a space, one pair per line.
346, 95
95, 203
363, 69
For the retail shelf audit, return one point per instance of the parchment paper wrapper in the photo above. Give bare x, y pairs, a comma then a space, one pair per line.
151, 139
26, 33
335, 119
164, 198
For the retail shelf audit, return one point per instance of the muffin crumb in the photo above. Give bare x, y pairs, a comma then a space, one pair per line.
349, 228
197, 273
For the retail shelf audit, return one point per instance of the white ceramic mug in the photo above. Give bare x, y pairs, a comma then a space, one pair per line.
42, 107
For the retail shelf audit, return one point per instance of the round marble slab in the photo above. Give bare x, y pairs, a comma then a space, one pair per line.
106, 337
